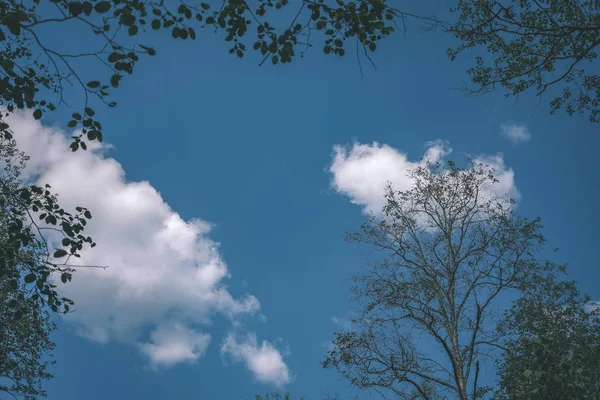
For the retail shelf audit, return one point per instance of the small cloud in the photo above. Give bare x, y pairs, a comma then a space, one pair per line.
175, 344
361, 171
264, 361
515, 133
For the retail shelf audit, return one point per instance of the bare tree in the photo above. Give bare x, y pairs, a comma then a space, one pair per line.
452, 246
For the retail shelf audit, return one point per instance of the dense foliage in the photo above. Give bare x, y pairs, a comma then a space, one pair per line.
28, 255
553, 346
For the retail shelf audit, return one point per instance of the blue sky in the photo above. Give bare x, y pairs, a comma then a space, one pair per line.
248, 150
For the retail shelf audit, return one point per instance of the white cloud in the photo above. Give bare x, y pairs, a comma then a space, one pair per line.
265, 361
361, 171
165, 274
173, 344
515, 133
506, 176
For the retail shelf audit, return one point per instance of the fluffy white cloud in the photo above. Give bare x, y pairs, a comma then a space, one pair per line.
265, 361
515, 133
165, 274
361, 171
173, 344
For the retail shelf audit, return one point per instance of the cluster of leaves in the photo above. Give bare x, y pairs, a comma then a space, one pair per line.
365, 21
553, 346
36, 72
26, 256
23, 343
535, 44
273, 396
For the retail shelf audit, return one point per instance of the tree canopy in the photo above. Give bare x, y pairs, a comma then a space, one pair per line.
426, 310
28, 254
25, 323
25, 344
36, 72
534, 45
553, 346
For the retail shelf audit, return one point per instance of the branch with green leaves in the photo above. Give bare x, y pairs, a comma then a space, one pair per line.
37, 73
534, 45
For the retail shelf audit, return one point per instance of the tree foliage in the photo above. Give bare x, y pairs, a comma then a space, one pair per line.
553, 346
535, 44
450, 249
28, 254
24, 343
37, 71
286, 396
25, 323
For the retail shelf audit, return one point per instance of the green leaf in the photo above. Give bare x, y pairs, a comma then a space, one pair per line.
89, 111
127, 19
77, 116
102, 7
75, 8
133, 30
114, 80
30, 278
37, 114
72, 124
12, 22
114, 57
192, 33
93, 84
87, 8
59, 253
204, 6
